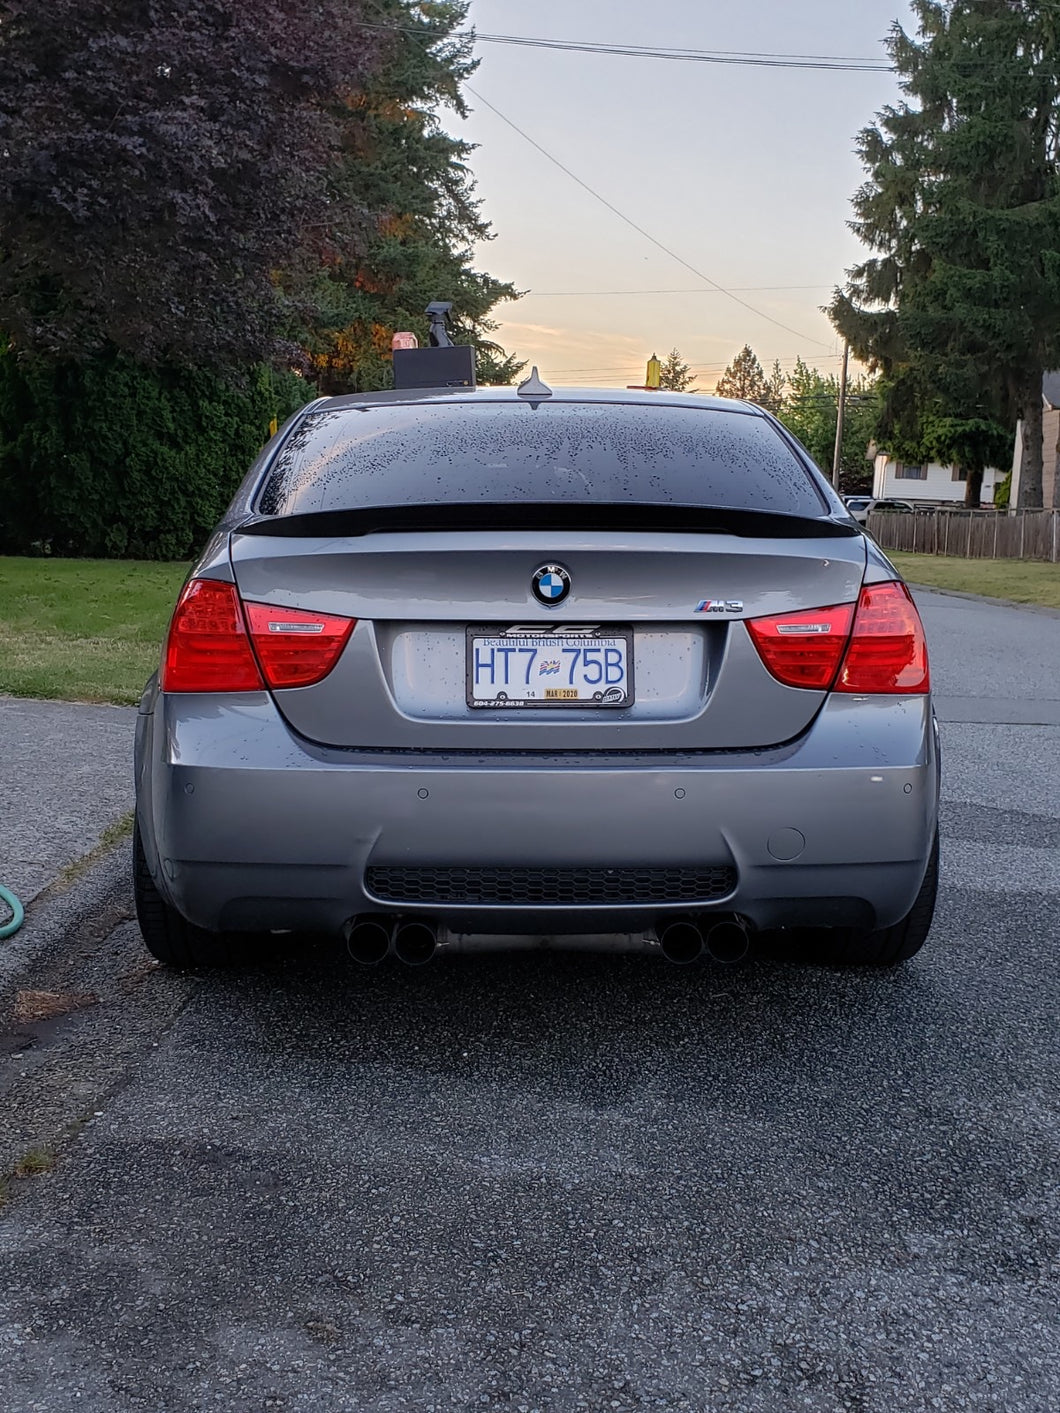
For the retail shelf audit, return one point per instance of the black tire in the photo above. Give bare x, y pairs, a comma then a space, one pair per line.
169, 937
889, 945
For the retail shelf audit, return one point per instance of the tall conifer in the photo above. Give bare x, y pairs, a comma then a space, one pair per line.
959, 306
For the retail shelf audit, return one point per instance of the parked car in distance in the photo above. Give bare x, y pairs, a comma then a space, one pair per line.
491, 663
858, 506
861, 507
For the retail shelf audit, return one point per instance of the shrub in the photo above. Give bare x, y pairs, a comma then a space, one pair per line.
111, 459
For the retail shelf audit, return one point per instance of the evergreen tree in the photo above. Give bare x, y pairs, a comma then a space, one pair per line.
416, 242
744, 379
959, 307
107, 457
775, 390
810, 412
676, 375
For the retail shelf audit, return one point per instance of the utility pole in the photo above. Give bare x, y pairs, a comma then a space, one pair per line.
841, 413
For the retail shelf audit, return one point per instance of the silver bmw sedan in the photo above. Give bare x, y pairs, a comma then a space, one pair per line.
469, 664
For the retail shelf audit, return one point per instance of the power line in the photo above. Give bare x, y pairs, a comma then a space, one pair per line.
699, 369
635, 363
819, 62
640, 229
840, 63
835, 63
612, 293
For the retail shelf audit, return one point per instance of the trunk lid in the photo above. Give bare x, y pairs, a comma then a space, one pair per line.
402, 682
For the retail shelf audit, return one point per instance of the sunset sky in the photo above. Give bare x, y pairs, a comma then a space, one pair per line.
744, 172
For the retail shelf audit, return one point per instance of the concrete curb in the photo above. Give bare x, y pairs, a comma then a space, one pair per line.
66, 775
982, 598
102, 896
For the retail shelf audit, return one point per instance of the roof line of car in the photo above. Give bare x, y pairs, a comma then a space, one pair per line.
394, 397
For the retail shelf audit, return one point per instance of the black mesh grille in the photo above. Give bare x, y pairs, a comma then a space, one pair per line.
555, 887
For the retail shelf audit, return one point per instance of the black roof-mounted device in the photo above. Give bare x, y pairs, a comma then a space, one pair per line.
438, 314
443, 365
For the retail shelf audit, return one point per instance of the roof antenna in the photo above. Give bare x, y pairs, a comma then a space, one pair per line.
533, 386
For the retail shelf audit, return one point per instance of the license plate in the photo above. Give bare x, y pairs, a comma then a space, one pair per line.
517, 669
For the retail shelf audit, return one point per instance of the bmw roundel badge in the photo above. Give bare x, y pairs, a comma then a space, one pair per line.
550, 584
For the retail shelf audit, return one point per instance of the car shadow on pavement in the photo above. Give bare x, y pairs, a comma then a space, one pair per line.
592, 1026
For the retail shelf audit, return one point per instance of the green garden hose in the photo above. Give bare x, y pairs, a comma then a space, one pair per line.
9, 928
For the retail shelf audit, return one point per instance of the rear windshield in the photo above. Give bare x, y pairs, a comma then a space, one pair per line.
503, 452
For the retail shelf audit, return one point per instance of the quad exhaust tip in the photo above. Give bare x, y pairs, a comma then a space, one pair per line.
728, 942
370, 939
681, 942
684, 941
415, 943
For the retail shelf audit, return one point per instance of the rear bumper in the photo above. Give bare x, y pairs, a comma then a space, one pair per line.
246, 826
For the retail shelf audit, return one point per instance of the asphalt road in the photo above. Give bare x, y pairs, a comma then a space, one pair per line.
569, 1182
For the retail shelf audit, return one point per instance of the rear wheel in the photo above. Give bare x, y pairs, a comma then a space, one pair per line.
169, 937
887, 946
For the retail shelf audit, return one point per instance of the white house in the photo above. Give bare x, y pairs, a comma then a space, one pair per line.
931, 483
1050, 446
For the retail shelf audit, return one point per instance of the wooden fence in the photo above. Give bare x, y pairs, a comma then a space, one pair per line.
970, 534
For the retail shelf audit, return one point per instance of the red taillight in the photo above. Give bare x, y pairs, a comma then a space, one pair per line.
804, 649
874, 648
207, 649
295, 646
888, 650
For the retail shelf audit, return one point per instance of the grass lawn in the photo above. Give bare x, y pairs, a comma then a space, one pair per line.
84, 630
1020, 580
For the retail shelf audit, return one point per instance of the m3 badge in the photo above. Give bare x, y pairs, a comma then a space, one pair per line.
720, 606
